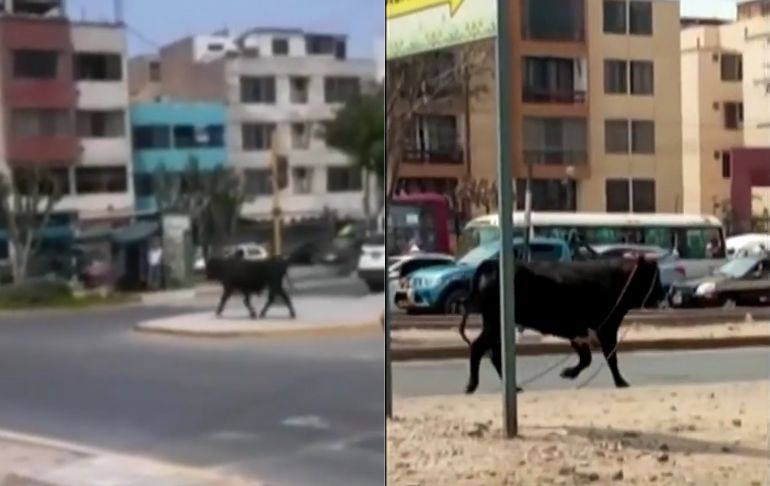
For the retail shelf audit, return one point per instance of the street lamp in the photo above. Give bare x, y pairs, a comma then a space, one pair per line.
571, 177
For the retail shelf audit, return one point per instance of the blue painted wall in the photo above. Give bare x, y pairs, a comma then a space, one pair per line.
169, 134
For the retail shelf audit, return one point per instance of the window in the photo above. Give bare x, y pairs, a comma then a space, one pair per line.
614, 16
553, 20
341, 89
98, 180
41, 122
549, 79
216, 47
154, 71
192, 136
343, 179
300, 136
642, 78
731, 67
144, 184
258, 182
726, 165
555, 141
615, 76
101, 124
152, 137
320, 44
617, 192
642, 137
48, 180
548, 194
640, 18
733, 115
280, 47
257, 136
258, 89
216, 135
298, 89
302, 178
643, 192
98, 67
433, 138
616, 136
35, 64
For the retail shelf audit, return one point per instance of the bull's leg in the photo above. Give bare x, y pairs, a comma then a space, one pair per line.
496, 357
609, 342
479, 348
247, 303
583, 351
270, 300
226, 293
285, 296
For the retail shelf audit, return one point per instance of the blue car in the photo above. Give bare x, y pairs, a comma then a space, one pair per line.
442, 288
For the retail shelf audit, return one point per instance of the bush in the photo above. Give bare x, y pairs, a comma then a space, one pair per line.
33, 293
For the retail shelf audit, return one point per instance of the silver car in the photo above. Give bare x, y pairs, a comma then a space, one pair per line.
671, 270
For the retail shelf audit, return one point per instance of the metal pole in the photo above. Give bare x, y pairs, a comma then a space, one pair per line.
276, 195
528, 212
505, 180
388, 362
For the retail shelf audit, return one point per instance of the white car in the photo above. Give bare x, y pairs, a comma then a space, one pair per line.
251, 251
371, 263
747, 244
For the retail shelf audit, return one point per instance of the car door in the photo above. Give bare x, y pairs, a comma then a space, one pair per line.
760, 290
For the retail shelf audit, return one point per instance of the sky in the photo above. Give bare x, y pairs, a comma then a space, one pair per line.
362, 20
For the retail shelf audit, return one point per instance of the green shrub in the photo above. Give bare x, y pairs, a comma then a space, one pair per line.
33, 293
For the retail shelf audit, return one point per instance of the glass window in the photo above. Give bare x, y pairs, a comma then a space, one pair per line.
35, 64
152, 137
343, 179
642, 137
280, 47
640, 18
642, 78
615, 76
98, 67
617, 195
614, 16
97, 180
341, 89
643, 191
616, 136
257, 136
258, 89
731, 67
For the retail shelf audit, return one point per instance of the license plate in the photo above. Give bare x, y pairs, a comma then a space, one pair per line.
676, 299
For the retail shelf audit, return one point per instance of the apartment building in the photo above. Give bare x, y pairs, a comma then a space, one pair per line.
282, 81
596, 117
65, 99
726, 109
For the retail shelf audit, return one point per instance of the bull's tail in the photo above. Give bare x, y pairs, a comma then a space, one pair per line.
470, 299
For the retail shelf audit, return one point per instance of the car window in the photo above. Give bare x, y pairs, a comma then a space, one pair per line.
546, 252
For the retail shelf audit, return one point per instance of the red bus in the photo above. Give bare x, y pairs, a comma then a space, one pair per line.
425, 218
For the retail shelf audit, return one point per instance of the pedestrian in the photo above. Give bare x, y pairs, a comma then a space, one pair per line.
154, 265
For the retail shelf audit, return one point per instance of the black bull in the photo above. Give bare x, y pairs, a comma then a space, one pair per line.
567, 300
250, 277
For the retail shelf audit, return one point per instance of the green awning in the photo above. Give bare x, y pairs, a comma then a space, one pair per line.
134, 233
95, 233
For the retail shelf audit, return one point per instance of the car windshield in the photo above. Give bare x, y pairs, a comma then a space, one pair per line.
479, 254
737, 268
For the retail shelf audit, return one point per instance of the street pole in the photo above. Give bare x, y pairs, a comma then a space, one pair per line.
277, 217
388, 362
505, 197
528, 211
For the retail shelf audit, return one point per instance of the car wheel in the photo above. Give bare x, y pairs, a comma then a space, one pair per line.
454, 302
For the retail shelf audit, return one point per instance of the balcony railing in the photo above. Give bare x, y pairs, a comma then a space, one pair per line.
532, 94
555, 157
414, 155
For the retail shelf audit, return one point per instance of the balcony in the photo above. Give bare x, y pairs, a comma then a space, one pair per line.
533, 94
555, 157
416, 155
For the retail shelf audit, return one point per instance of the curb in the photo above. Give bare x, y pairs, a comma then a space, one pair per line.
363, 327
446, 352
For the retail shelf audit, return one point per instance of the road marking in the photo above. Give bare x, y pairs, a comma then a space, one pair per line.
306, 421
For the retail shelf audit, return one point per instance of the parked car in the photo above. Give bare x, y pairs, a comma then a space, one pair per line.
371, 263
747, 244
442, 288
741, 281
671, 269
401, 266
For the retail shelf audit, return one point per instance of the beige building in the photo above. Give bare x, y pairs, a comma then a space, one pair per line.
725, 99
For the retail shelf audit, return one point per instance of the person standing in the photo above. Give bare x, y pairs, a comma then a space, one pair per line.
154, 265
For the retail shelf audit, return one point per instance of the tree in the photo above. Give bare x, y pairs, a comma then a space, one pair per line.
431, 82
358, 131
27, 200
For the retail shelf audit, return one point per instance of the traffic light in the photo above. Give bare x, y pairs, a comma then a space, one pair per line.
282, 171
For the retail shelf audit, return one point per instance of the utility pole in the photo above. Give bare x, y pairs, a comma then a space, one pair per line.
277, 212
528, 208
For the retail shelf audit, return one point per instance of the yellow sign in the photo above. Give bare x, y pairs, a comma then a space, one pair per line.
398, 8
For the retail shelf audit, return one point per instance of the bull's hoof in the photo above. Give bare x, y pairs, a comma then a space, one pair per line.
519, 390
569, 373
622, 384
253, 317
471, 387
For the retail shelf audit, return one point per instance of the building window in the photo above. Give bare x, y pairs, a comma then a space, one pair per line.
155, 71
640, 18
216, 136
191, 136
731, 67
257, 136
302, 180
53, 179
280, 47
643, 195
258, 182
152, 137
299, 89
733, 114
435, 139
343, 179
98, 67
216, 47
553, 20
617, 195
615, 76
550, 80
101, 124
35, 64
341, 89
144, 184
616, 136
555, 141
300, 135
642, 137
320, 44
548, 194
642, 78
615, 16
726, 165
99, 180
258, 89
42, 122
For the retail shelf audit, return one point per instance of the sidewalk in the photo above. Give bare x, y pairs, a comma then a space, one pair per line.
414, 344
706, 435
315, 316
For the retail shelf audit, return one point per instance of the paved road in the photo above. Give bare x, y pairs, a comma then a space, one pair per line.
642, 368
286, 411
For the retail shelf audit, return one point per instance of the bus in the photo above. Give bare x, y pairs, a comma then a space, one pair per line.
425, 218
689, 234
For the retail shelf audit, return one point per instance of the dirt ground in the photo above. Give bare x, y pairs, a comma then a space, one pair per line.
680, 435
